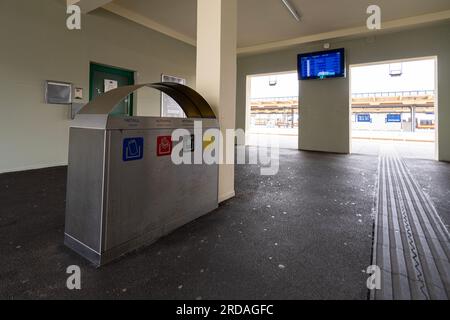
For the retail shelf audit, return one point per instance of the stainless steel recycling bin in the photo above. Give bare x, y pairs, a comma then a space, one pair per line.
123, 189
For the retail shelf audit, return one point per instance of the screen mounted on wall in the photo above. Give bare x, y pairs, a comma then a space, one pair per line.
322, 65
58, 92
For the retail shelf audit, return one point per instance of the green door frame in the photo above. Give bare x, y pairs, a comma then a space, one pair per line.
112, 70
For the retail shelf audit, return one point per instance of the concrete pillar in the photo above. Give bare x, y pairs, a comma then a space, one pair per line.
216, 71
413, 118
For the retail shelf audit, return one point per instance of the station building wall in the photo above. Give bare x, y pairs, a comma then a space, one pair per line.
37, 46
325, 105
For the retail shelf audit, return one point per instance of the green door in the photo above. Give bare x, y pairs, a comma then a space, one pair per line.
104, 77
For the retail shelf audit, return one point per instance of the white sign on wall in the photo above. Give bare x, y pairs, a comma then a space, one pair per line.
169, 107
111, 85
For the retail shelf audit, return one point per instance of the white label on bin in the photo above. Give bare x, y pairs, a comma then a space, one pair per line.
188, 144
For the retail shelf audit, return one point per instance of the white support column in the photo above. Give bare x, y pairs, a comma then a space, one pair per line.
216, 71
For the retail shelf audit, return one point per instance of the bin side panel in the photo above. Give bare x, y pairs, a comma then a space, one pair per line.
150, 197
84, 202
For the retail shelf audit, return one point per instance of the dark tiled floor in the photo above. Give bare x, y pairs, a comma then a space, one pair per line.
303, 234
434, 178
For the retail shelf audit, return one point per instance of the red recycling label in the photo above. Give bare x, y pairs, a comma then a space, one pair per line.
164, 146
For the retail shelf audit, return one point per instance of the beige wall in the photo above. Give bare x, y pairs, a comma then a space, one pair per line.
325, 104
36, 46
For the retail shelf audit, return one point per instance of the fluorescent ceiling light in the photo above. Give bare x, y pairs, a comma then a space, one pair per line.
291, 9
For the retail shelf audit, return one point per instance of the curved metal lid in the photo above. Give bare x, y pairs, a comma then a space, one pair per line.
192, 103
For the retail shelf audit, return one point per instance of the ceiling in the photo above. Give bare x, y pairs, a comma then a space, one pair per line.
267, 21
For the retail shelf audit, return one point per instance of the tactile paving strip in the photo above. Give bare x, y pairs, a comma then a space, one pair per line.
411, 244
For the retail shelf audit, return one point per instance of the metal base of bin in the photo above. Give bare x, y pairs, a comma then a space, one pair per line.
100, 259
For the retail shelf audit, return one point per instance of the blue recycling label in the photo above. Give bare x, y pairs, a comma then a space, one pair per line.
133, 149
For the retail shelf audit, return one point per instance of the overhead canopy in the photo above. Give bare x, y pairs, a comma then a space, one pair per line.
192, 103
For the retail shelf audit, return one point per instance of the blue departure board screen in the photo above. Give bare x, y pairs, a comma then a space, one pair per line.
322, 65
